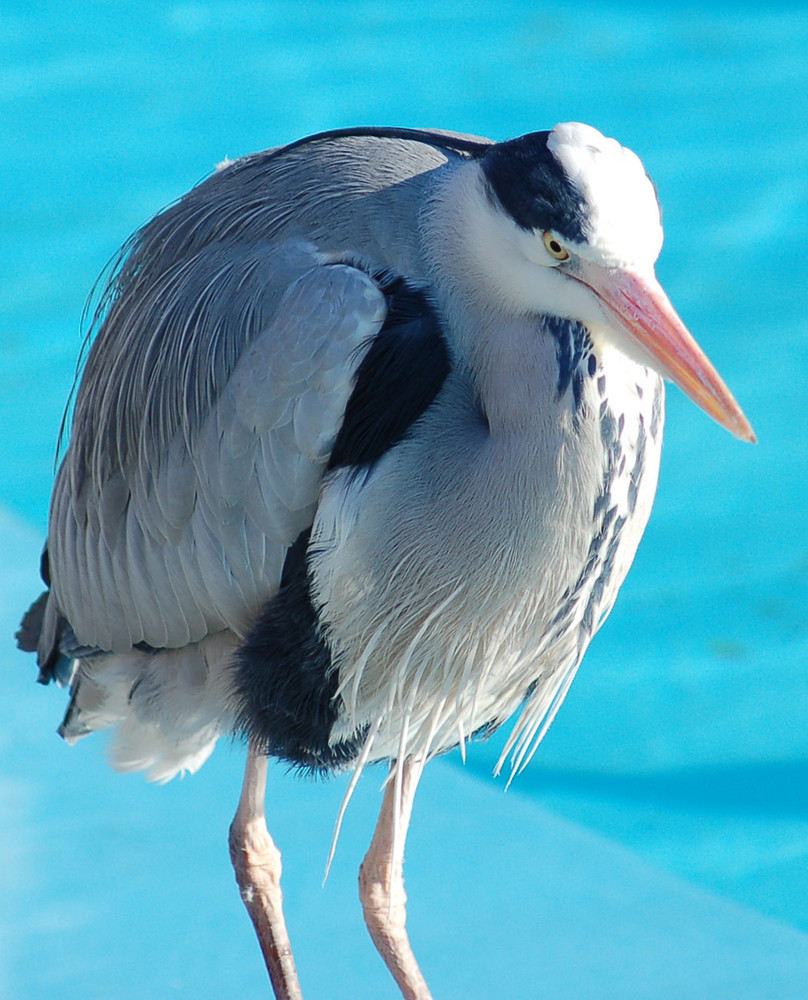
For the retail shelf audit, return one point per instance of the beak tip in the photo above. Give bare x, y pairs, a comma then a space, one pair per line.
743, 430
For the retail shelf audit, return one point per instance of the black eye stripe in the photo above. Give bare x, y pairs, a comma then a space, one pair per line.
530, 184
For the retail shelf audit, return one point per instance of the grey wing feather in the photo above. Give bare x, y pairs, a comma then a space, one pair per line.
200, 440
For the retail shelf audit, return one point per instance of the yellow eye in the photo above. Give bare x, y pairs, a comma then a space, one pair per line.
554, 248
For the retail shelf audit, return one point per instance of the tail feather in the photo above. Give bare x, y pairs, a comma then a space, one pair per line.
42, 631
27, 635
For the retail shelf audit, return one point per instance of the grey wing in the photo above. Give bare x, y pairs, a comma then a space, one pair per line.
202, 430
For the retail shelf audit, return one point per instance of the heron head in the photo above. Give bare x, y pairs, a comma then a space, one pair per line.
575, 231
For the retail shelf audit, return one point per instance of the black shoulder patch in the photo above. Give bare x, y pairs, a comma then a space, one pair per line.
285, 681
398, 379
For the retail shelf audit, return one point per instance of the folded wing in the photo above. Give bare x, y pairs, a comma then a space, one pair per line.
201, 433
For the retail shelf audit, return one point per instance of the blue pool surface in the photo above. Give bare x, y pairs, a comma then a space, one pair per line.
657, 846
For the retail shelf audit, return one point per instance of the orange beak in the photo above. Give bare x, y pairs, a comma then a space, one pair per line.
644, 312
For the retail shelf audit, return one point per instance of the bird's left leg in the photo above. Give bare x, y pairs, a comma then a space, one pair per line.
257, 863
381, 883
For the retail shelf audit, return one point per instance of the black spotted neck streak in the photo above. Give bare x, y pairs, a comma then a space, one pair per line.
629, 424
576, 362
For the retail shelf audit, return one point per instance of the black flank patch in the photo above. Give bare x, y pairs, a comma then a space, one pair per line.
285, 680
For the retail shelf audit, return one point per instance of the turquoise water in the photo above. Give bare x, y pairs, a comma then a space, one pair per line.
658, 845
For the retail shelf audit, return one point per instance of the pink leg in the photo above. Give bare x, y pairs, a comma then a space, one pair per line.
257, 863
381, 888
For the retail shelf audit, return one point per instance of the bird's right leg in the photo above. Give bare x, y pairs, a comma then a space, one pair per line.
381, 885
257, 863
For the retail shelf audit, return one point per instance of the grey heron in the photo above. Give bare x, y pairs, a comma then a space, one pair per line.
365, 443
